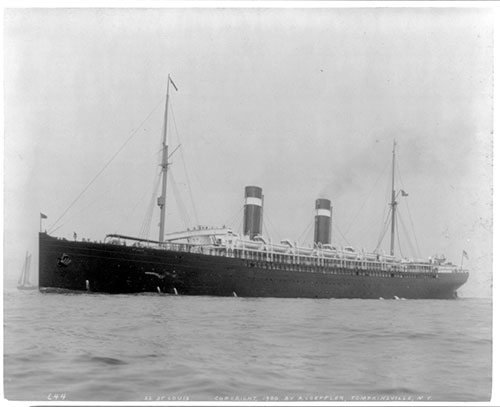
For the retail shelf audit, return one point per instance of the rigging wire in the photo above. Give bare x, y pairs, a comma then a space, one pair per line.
266, 230
93, 202
267, 221
413, 228
409, 213
399, 241
84, 208
180, 204
384, 230
148, 216
51, 230
412, 248
60, 226
145, 229
385, 223
146, 224
341, 234
195, 212
366, 198
240, 225
305, 233
233, 218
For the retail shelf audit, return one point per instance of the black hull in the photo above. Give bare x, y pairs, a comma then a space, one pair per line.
109, 268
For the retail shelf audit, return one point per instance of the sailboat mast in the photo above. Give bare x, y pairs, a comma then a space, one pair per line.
22, 277
164, 169
393, 199
26, 281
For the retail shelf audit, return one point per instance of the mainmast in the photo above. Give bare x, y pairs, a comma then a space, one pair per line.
393, 199
164, 166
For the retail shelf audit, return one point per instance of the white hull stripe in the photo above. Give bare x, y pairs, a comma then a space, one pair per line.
324, 212
250, 200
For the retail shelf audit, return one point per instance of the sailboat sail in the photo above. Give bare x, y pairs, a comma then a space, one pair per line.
24, 279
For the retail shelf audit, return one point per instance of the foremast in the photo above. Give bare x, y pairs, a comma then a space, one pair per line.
164, 165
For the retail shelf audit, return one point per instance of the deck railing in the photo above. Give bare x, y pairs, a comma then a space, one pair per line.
266, 259
316, 260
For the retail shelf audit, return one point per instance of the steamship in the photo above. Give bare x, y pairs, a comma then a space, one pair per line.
220, 262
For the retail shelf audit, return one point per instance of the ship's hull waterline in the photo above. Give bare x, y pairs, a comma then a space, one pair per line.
111, 268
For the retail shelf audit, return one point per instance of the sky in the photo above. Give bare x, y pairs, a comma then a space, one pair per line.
305, 103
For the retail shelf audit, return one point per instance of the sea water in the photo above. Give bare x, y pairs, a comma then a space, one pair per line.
88, 347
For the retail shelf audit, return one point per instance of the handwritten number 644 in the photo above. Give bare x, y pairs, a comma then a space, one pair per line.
56, 396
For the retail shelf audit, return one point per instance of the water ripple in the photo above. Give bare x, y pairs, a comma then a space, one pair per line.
149, 347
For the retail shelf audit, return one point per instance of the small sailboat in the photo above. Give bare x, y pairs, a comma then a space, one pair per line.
24, 279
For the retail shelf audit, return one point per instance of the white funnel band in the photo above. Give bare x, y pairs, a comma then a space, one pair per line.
324, 212
250, 200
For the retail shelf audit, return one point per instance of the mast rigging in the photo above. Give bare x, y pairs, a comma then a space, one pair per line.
393, 200
164, 165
